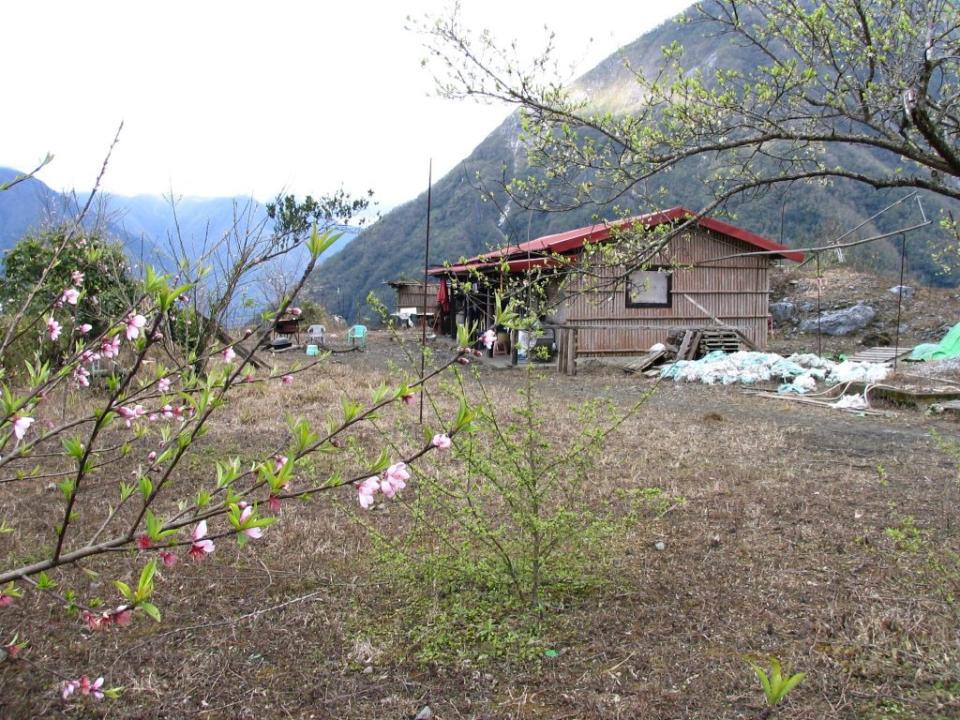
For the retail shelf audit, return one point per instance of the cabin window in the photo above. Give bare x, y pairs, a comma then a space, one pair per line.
649, 288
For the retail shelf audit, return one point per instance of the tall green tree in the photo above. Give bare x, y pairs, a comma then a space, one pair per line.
102, 263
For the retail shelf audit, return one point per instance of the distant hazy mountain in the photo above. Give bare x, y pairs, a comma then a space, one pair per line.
147, 224
464, 225
24, 206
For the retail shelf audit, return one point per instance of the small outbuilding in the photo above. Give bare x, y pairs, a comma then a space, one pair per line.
410, 293
413, 301
708, 273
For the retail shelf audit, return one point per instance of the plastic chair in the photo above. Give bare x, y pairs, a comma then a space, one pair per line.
357, 335
315, 334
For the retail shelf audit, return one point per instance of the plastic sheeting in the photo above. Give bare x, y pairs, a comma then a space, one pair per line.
949, 347
798, 373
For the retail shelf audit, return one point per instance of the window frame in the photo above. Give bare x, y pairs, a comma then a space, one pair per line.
661, 269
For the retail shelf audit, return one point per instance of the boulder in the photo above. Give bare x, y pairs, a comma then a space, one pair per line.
783, 312
904, 291
841, 322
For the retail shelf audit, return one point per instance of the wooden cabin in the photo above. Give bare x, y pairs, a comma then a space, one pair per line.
709, 274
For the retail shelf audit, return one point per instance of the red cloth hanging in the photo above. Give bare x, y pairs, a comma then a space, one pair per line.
443, 297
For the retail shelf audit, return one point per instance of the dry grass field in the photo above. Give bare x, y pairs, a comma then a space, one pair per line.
828, 540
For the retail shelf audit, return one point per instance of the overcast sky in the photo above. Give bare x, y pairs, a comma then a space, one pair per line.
239, 98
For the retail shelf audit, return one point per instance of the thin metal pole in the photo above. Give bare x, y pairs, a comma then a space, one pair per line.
426, 264
903, 262
819, 314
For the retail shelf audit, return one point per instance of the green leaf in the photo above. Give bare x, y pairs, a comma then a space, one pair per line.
350, 409
44, 582
382, 463
791, 683
67, 487
124, 589
73, 447
151, 610
319, 242
145, 583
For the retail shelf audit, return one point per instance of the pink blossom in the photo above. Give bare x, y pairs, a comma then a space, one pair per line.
88, 356
249, 377
84, 687
295, 311
169, 558
278, 462
409, 399
441, 441
122, 616
151, 456
84, 328
394, 479
81, 376
200, 546
488, 339
168, 412
77, 277
20, 425
135, 323
53, 328
250, 532
287, 380
144, 543
366, 490
273, 502
157, 336
463, 360
5, 600
163, 385
110, 348
13, 649
130, 414
95, 621
229, 354
70, 295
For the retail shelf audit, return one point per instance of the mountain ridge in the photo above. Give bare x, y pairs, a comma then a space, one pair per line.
464, 224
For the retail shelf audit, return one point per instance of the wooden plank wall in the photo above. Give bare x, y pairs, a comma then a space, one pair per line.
735, 291
412, 296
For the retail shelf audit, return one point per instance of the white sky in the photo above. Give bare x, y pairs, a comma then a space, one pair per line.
239, 98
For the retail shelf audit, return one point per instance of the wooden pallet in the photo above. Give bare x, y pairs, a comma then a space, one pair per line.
690, 345
884, 355
727, 340
646, 361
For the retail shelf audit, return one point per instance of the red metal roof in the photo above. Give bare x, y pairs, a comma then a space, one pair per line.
560, 243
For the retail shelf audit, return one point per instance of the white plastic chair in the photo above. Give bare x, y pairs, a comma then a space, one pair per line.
315, 334
408, 315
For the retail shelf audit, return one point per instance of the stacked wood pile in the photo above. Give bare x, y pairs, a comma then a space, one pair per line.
690, 344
